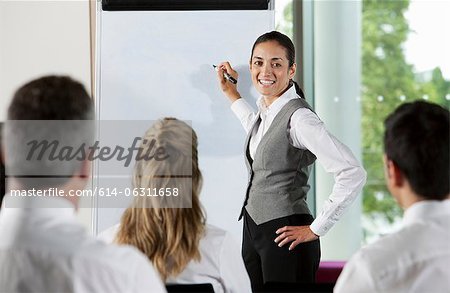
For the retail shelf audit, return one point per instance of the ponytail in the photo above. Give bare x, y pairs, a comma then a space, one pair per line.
298, 90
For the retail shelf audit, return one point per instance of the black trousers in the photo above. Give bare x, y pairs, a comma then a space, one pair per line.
267, 263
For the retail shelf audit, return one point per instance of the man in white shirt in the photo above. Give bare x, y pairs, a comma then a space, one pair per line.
416, 258
42, 246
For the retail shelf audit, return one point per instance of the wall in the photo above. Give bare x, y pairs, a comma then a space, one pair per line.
39, 38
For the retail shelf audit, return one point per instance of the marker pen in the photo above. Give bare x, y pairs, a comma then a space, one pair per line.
226, 75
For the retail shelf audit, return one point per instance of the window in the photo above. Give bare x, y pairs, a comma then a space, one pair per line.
403, 54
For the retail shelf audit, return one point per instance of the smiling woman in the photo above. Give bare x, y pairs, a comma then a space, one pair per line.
270, 70
284, 138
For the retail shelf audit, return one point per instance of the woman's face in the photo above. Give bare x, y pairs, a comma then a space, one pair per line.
270, 69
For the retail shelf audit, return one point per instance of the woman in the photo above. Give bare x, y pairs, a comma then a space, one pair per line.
171, 229
284, 138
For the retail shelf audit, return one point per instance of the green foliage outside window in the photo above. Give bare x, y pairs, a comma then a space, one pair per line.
387, 81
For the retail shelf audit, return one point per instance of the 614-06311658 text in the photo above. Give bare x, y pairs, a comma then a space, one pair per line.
167, 191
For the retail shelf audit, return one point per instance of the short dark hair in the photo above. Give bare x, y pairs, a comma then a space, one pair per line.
51, 98
288, 46
47, 98
416, 139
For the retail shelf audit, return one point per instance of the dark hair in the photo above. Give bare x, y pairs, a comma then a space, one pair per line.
51, 98
416, 139
47, 98
287, 44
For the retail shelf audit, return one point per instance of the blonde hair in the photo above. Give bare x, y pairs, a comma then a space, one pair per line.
167, 234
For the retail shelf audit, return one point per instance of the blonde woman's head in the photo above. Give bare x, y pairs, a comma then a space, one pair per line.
166, 220
168, 166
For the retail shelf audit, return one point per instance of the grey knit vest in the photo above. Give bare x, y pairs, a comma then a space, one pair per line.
279, 173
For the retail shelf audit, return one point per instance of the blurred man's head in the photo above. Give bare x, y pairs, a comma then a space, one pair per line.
31, 116
51, 98
416, 144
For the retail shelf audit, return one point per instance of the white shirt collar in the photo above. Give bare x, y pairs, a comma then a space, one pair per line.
426, 209
49, 206
276, 105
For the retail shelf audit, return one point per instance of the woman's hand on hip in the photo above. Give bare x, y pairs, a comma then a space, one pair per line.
228, 88
294, 234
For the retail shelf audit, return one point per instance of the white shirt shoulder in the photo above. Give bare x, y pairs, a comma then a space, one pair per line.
47, 250
414, 259
123, 268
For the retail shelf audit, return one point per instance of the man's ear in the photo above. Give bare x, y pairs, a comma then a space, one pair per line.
393, 173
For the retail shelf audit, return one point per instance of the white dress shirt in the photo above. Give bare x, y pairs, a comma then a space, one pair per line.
47, 250
307, 131
415, 259
221, 263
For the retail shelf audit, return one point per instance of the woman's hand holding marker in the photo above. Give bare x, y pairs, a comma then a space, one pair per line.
227, 85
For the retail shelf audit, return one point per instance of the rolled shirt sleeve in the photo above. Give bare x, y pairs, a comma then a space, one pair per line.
309, 132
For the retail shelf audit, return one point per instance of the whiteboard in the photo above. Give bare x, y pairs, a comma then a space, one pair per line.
153, 64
